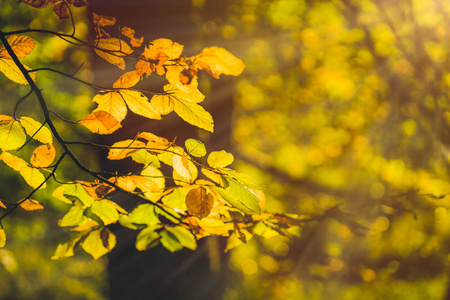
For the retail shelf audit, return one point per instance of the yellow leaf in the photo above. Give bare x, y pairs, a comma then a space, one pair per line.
131, 182
217, 61
220, 159
154, 142
12, 136
193, 113
124, 151
58, 193
86, 225
181, 164
217, 178
199, 203
31, 205
113, 104
2, 205
22, 46
31, 175
99, 242
156, 175
100, 122
171, 49
44, 134
193, 95
112, 50
127, 80
43, 156
4, 119
2, 238
139, 104
12, 71
162, 104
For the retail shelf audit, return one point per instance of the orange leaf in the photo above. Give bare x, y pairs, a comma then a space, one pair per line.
217, 61
127, 80
2, 205
22, 46
113, 104
31, 205
199, 203
102, 21
162, 104
4, 120
112, 50
124, 150
43, 156
100, 122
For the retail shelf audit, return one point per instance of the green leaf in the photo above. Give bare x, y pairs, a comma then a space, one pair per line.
195, 147
184, 236
193, 113
66, 249
243, 178
99, 242
144, 214
170, 241
77, 192
12, 136
106, 211
73, 218
147, 238
220, 159
176, 199
240, 197
146, 158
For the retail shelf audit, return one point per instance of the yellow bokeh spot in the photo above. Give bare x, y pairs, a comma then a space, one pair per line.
377, 190
249, 267
381, 224
368, 275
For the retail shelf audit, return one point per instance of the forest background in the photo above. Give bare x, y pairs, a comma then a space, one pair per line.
342, 112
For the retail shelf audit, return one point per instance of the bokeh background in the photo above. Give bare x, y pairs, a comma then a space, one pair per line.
342, 102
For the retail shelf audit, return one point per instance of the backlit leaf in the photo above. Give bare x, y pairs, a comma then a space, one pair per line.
139, 104
43, 156
170, 241
31, 205
220, 159
144, 214
214, 226
87, 224
194, 114
113, 104
2, 238
176, 199
73, 217
58, 193
66, 249
237, 195
22, 46
243, 178
127, 80
12, 71
100, 122
199, 203
99, 242
217, 61
154, 142
105, 210
162, 104
195, 147
147, 238
4, 119
217, 178
2, 205
12, 136
112, 50
146, 158
156, 175
184, 236
123, 149
31, 127
76, 192
32, 176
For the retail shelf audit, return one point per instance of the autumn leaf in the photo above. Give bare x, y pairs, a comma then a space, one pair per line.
162, 104
194, 114
176, 199
147, 238
100, 122
217, 61
121, 150
43, 156
36, 130
156, 55
129, 33
127, 80
240, 197
102, 21
21, 45
154, 142
73, 217
106, 211
30, 204
184, 236
66, 249
217, 178
12, 71
139, 104
113, 104
195, 147
59, 7
2, 205
32, 176
12, 136
199, 203
99, 242
112, 50
220, 159
2, 238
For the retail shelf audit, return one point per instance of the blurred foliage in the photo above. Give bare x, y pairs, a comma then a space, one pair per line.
344, 102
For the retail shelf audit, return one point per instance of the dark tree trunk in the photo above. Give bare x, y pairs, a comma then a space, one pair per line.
157, 273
